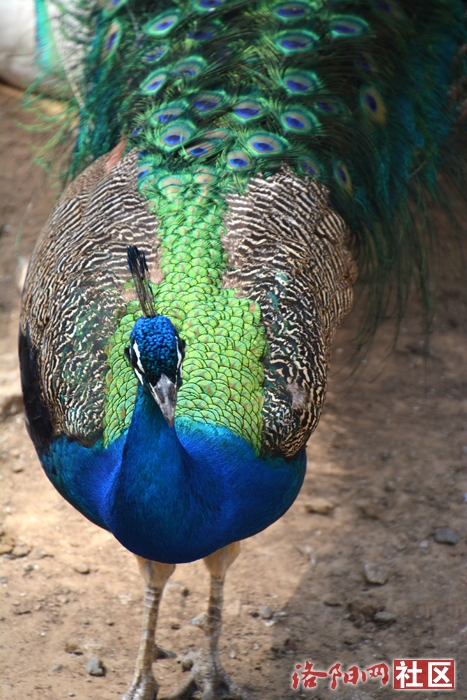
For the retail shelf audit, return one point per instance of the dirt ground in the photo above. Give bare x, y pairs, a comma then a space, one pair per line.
387, 465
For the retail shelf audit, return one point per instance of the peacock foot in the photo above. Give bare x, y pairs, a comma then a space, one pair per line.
208, 681
144, 687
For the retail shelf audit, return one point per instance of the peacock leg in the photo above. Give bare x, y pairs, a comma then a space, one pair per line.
156, 575
208, 680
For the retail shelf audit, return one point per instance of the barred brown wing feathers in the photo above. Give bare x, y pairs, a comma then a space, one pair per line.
287, 251
75, 286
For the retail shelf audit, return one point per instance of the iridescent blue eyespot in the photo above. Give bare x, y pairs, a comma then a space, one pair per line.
112, 38
143, 171
168, 114
188, 68
295, 42
198, 150
136, 131
208, 101
248, 109
291, 10
373, 104
330, 107
298, 120
301, 81
265, 144
238, 160
208, 4
154, 83
163, 24
347, 25
175, 135
342, 176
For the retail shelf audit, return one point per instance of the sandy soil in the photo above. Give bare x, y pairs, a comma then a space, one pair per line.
388, 462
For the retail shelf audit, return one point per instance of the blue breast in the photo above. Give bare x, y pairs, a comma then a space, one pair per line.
174, 494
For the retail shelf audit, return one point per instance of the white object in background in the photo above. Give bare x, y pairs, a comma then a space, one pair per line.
17, 42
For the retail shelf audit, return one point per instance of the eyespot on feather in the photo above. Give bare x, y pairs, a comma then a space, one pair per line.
238, 160
342, 177
266, 144
112, 39
291, 11
163, 23
246, 110
295, 41
207, 101
300, 82
173, 136
168, 114
188, 68
347, 26
373, 104
298, 121
200, 150
154, 82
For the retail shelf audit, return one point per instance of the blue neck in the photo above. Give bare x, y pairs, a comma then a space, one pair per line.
176, 494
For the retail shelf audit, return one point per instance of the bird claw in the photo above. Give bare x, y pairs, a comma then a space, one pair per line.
208, 681
143, 687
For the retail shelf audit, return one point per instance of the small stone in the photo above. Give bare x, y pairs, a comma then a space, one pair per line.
82, 568
253, 612
109, 622
20, 550
232, 654
323, 506
199, 621
188, 661
332, 601
73, 647
17, 468
424, 544
41, 554
390, 486
384, 617
6, 545
185, 591
375, 574
21, 609
175, 626
94, 666
56, 668
446, 535
266, 613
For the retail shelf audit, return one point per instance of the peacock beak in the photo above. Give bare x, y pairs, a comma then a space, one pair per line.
165, 394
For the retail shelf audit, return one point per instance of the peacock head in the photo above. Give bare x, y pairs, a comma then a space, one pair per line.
156, 354
156, 350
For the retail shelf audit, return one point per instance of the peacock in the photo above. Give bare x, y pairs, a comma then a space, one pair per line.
234, 165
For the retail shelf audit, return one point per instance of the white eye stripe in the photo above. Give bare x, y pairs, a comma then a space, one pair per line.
180, 357
138, 357
139, 375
